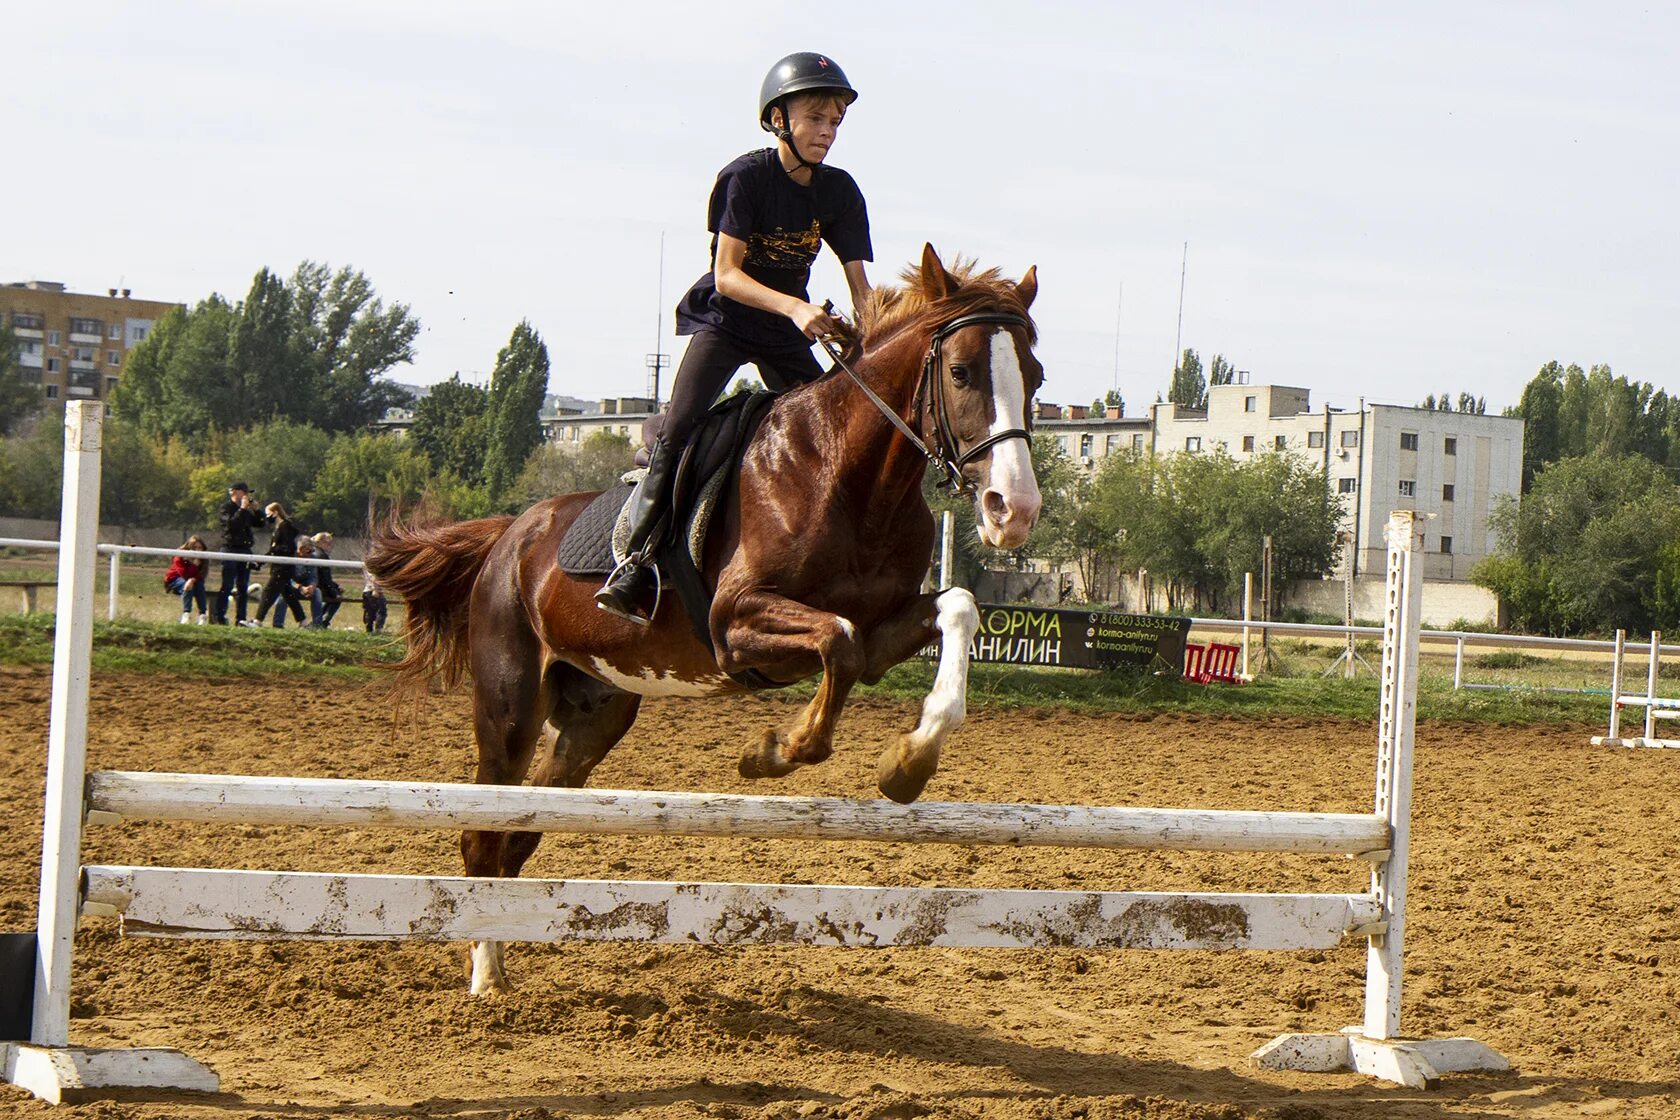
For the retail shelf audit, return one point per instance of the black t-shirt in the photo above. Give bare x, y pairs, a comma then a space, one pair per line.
784, 226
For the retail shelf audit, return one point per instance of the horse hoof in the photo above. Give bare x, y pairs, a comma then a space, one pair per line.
765, 759
898, 783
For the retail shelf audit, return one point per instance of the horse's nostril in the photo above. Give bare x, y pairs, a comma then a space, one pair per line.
997, 508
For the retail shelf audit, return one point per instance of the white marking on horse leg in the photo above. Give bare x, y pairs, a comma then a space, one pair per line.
946, 705
846, 627
488, 974
907, 765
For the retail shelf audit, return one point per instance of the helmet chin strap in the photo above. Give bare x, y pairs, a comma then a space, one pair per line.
785, 135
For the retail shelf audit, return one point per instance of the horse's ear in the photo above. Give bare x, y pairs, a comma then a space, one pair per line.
1027, 289
936, 282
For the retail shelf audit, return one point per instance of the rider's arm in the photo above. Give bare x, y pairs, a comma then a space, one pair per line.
732, 281
858, 281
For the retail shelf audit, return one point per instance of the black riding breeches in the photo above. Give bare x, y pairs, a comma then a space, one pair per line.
707, 365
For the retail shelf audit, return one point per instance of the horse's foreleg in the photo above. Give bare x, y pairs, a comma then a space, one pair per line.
769, 630
906, 766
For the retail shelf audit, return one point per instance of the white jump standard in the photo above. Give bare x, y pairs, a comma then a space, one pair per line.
278, 905
1656, 707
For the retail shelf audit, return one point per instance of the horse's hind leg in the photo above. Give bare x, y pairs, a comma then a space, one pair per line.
583, 722
510, 706
577, 739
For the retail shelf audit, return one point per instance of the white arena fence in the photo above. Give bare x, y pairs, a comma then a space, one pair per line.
118, 551
280, 905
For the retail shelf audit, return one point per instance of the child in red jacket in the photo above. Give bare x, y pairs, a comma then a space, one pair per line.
186, 578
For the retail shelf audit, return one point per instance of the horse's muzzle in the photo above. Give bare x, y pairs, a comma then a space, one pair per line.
1007, 520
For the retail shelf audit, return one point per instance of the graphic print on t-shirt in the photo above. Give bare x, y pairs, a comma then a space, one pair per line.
782, 249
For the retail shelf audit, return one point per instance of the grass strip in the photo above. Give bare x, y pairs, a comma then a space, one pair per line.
221, 652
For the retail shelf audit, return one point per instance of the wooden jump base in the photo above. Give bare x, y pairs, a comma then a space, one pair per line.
1656, 707
210, 903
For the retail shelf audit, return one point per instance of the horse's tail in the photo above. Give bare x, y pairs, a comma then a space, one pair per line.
432, 569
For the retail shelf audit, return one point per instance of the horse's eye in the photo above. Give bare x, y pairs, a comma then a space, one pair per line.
959, 376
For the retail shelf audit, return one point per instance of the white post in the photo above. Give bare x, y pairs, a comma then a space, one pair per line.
1396, 728
947, 549
1651, 687
47, 1065
1616, 687
61, 837
111, 596
1375, 1047
1248, 615
1458, 666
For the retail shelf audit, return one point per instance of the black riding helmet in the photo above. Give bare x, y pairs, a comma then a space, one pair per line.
802, 72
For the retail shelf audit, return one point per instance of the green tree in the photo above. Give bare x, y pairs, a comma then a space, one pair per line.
280, 460
312, 351
1583, 549
1198, 522
32, 469
1220, 372
1110, 399
144, 482
1189, 388
558, 468
346, 339
364, 477
452, 429
19, 399
263, 363
517, 387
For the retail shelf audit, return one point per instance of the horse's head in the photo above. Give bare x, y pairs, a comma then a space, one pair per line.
982, 377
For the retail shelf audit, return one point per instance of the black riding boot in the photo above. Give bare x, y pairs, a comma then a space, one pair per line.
629, 591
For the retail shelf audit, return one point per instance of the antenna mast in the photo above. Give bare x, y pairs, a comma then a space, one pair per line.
658, 360
1178, 343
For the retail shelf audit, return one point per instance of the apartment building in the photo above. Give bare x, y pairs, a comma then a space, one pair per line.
1452, 466
73, 344
622, 416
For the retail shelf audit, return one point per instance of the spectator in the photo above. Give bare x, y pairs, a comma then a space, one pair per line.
373, 606
186, 578
281, 542
330, 596
305, 583
239, 518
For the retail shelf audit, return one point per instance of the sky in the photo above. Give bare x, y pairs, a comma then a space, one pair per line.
1367, 201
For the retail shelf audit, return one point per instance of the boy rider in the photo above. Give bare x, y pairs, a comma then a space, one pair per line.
770, 212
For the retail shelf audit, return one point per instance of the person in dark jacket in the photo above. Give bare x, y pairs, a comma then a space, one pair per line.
283, 541
330, 595
239, 517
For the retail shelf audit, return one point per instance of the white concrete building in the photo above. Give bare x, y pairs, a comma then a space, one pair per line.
1452, 466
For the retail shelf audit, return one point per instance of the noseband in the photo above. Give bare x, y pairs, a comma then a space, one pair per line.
930, 393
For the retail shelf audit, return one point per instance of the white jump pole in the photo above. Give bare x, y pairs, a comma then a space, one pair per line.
947, 549
1458, 666
47, 1065
111, 592
1248, 614
61, 842
1651, 686
1616, 687
1376, 1046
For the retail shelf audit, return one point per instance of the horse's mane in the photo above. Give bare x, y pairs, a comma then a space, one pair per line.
889, 308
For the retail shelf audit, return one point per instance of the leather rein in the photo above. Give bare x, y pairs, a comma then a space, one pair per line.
949, 457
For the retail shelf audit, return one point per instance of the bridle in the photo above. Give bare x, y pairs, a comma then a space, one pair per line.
930, 393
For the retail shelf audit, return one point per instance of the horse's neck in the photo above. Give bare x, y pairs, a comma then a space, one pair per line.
877, 454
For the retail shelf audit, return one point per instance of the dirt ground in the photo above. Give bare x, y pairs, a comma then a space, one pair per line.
1544, 922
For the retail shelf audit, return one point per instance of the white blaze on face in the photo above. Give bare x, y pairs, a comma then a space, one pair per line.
1009, 504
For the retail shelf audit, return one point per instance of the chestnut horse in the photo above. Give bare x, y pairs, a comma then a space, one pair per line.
817, 566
